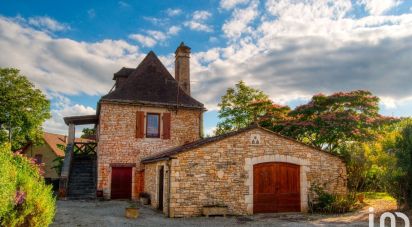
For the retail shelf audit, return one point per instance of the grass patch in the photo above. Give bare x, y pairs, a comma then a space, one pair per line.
378, 196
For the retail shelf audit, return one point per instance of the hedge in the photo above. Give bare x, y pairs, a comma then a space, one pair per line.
24, 197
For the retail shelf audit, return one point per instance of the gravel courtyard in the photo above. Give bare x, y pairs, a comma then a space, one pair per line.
111, 213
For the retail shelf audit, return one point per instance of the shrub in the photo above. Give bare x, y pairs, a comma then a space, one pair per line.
24, 197
324, 202
401, 181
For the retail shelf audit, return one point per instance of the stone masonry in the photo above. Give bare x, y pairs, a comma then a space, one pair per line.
118, 145
221, 172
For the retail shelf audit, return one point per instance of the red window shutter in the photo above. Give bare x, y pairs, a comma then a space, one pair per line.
166, 125
140, 124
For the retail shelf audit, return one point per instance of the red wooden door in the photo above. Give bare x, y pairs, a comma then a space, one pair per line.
276, 188
121, 183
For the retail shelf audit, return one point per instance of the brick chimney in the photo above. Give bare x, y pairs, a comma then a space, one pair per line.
182, 67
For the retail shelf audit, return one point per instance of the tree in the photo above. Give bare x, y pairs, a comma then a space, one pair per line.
244, 105
328, 122
88, 133
23, 109
402, 184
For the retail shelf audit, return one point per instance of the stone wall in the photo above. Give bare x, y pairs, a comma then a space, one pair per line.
117, 143
222, 172
152, 186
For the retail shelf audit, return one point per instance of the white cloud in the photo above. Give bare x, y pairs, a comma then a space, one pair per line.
47, 23
56, 124
174, 30
210, 131
144, 40
240, 20
157, 21
291, 49
300, 48
153, 37
124, 4
378, 7
201, 15
230, 4
197, 26
197, 22
213, 39
173, 12
157, 35
60, 65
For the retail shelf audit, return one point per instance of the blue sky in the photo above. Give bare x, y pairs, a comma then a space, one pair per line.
290, 49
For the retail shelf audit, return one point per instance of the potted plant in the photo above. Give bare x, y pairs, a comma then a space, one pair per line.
144, 198
132, 211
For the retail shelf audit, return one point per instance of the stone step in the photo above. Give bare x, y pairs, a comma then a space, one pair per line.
80, 185
81, 192
82, 180
80, 175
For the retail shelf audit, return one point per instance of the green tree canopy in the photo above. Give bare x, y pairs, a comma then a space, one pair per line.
88, 133
243, 105
330, 121
402, 186
23, 109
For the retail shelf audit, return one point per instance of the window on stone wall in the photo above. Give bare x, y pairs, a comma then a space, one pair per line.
153, 125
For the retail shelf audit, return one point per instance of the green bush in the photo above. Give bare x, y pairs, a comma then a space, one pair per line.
24, 197
324, 202
401, 181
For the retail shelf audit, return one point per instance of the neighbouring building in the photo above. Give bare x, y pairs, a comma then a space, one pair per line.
47, 153
52, 148
149, 138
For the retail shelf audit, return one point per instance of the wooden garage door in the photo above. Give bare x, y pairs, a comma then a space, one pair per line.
276, 188
121, 183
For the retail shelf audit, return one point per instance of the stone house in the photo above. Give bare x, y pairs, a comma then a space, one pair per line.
149, 138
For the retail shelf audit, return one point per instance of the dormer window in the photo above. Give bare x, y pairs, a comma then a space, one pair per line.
153, 125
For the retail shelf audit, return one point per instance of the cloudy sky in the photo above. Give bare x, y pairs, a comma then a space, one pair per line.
290, 49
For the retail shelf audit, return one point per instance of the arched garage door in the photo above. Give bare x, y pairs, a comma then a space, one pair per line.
276, 187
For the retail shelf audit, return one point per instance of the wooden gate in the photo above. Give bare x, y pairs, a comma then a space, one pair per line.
276, 188
121, 183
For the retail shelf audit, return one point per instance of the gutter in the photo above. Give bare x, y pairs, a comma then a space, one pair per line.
167, 158
147, 103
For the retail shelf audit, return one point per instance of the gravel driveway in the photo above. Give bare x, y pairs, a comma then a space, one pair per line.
111, 213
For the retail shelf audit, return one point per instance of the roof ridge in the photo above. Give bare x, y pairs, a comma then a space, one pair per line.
151, 82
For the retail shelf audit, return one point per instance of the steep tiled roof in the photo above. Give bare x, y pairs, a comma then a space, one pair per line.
189, 146
151, 83
123, 72
53, 140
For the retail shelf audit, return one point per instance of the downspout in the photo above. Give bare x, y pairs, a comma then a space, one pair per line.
201, 135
